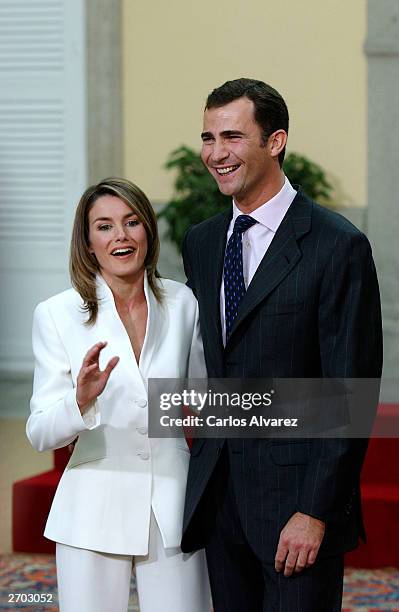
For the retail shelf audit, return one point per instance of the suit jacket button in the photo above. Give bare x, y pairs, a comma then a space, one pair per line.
142, 430
142, 403
144, 456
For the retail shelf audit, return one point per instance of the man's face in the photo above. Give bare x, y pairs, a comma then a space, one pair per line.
233, 152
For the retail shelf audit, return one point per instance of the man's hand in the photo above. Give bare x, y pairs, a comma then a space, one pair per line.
299, 543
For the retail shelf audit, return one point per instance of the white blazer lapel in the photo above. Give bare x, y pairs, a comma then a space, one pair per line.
156, 321
113, 331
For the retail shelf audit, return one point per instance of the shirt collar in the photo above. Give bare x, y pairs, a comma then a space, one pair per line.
271, 213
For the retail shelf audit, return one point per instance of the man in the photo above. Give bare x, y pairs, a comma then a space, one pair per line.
275, 515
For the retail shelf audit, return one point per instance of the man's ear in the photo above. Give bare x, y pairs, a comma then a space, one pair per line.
277, 142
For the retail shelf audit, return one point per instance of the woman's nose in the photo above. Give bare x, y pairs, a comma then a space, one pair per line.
121, 233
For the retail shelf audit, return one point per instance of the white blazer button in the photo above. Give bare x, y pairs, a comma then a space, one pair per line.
144, 456
143, 430
142, 403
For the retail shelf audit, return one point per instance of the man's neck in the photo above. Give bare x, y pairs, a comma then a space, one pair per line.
268, 191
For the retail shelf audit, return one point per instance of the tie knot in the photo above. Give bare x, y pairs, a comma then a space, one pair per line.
243, 222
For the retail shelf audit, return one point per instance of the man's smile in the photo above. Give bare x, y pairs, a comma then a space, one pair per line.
227, 169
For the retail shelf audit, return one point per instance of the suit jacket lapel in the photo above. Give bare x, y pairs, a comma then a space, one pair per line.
212, 257
280, 258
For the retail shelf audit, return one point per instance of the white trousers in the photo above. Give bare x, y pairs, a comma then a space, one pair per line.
167, 579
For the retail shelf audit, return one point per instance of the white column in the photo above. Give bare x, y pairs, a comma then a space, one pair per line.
382, 51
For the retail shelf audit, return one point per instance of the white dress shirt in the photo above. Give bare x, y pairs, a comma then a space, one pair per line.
257, 239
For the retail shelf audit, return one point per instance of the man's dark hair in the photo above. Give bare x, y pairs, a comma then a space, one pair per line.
270, 113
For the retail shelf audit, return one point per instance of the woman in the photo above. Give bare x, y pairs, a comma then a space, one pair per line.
121, 496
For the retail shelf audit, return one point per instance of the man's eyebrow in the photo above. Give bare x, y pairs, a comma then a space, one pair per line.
224, 134
232, 133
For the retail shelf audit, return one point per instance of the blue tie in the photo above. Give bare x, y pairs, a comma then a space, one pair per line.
234, 287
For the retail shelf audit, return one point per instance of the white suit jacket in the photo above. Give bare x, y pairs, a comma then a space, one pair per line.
116, 473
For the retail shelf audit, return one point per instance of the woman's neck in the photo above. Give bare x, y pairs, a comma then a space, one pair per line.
128, 292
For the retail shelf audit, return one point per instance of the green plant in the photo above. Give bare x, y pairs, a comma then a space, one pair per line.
309, 175
197, 196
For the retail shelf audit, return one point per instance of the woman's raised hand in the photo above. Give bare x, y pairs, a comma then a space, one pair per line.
91, 380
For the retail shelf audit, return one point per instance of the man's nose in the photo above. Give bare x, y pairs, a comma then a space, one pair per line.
220, 151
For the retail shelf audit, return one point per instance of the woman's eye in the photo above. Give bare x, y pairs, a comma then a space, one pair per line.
104, 227
133, 223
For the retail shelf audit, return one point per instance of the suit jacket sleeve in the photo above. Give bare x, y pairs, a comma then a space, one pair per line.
350, 338
55, 418
196, 362
187, 262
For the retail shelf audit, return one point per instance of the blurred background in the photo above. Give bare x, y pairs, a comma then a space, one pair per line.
93, 88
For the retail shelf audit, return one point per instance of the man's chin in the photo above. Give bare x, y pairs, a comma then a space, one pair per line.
227, 190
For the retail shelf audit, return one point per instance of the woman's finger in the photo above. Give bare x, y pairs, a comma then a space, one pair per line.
85, 370
110, 366
93, 353
89, 369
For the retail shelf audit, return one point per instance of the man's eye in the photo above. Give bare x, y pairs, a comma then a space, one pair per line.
133, 223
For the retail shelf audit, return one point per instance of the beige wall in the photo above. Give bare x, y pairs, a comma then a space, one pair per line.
175, 52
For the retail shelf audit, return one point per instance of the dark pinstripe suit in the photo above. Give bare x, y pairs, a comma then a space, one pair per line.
311, 310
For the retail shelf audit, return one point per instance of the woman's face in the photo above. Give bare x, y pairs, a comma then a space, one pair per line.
117, 238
